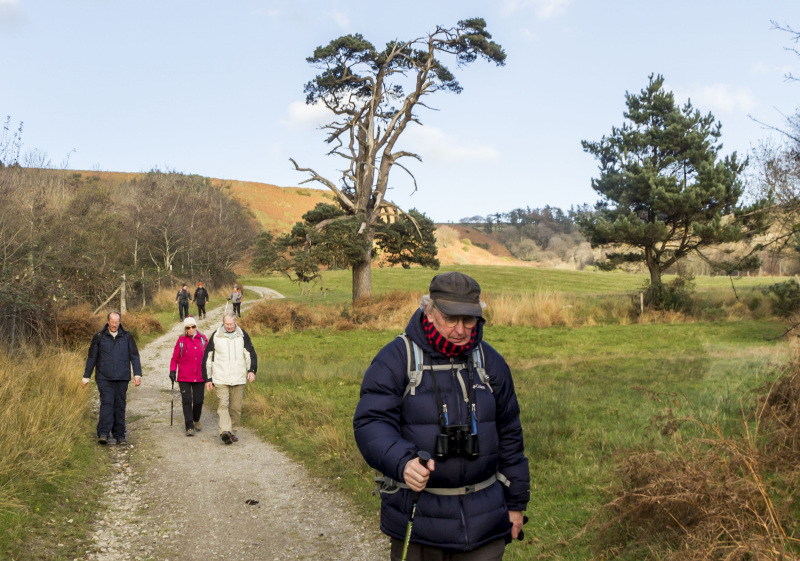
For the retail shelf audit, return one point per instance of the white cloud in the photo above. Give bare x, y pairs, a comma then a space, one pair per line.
300, 115
341, 19
544, 9
719, 98
435, 146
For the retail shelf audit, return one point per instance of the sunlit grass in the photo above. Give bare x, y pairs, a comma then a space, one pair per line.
576, 387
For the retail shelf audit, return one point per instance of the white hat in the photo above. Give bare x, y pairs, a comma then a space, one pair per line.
189, 321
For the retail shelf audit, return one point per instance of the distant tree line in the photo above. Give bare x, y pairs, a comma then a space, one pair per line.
66, 238
547, 235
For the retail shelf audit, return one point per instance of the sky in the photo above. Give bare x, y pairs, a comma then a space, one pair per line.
216, 88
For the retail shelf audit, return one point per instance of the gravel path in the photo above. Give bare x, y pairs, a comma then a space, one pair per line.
171, 497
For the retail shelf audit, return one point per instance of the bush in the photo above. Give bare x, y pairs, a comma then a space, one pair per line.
141, 324
75, 326
785, 297
675, 296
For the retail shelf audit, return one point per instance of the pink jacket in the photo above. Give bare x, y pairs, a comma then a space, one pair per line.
187, 358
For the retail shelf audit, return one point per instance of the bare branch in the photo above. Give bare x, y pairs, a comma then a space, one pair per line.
316, 177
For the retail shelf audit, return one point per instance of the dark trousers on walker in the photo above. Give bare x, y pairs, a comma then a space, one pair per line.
113, 397
237, 309
192, 400
201, 310
492, 551
183, 309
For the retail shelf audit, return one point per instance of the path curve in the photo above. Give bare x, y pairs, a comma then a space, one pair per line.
174, 497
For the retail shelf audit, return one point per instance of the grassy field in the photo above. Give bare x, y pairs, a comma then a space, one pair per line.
585, 392
494, 279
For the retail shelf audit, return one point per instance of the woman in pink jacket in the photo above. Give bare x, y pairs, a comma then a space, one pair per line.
187, 361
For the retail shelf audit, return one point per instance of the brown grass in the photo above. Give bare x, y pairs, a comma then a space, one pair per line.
387, 311
44, 412
75, 326
715, 496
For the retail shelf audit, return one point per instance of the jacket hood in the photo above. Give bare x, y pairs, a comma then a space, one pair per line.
417, 334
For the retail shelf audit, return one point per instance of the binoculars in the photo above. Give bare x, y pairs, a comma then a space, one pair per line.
456, 440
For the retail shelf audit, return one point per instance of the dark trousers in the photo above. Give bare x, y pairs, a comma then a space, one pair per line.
492, 551
183, 309
237, 309
201, 310
192, 400
113, 397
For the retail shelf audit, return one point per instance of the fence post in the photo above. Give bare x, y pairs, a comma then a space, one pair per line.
123, 304
641, 303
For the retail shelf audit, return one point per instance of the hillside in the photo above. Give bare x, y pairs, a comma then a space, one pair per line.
277, 209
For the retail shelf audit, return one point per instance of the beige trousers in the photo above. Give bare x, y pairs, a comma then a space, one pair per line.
230, 407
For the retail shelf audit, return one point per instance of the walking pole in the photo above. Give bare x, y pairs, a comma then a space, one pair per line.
172, 406
424, 456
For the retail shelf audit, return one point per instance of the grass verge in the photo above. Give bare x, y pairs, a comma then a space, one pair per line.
49, 469
583, 392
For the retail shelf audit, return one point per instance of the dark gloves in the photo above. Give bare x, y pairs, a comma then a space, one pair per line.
172, 375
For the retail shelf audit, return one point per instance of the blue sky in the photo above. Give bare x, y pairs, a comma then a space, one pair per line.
216, 88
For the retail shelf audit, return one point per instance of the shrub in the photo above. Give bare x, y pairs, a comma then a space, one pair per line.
75, 326
785, 297
140, 324
675, 296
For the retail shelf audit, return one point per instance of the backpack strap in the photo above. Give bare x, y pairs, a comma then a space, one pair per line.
414, 364
479, 361
415, 367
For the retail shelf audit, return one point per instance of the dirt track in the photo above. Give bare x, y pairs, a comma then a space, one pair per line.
186, 498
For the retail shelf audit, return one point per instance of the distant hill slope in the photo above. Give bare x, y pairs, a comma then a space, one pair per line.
277, 209
476, 248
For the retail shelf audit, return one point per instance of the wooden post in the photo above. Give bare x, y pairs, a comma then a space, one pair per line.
123, 302
641, 303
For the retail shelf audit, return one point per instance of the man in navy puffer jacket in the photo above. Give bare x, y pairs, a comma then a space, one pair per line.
112, 355
471, 502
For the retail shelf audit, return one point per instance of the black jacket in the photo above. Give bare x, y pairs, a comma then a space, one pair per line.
182, 296
200, 296
390, 428
113, 357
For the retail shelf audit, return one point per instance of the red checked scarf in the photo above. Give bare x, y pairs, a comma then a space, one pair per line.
441, 344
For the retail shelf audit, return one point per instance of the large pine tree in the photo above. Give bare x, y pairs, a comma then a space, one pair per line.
664, 190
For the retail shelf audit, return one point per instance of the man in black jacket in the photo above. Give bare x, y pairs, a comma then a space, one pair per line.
200, 298
112, 355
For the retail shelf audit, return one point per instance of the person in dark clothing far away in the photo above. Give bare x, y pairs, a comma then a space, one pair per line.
182, 300
201, 299
112, 356
440, 389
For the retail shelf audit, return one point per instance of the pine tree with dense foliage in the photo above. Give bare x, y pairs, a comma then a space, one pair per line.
665, 191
